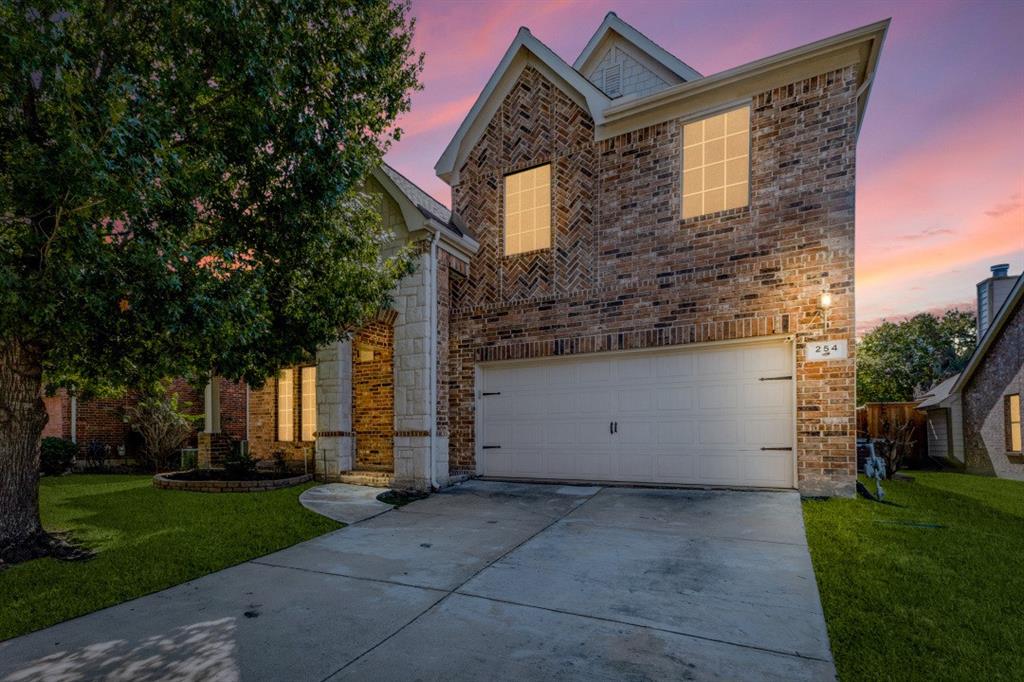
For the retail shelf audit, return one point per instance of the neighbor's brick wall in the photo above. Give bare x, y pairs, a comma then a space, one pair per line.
626, 271
1000, 373
373, 396
103, 419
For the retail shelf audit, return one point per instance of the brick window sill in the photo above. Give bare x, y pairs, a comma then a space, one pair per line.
728, 213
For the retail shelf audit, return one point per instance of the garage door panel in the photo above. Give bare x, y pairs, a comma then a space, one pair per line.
717, 397
719, 467
634, 400
673, 365
677, 433
690, 415
717, 432
595, 433
767, 359
677, 468
772, 395
767, 433
594, 372
674, 398
764, 468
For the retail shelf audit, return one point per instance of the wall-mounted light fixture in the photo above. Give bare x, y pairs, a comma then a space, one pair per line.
824, 304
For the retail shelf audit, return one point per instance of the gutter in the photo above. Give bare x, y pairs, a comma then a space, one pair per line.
432, 306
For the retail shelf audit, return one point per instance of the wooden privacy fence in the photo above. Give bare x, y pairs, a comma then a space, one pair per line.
871, 418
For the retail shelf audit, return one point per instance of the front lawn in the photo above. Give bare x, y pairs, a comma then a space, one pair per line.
145, 540
930, 589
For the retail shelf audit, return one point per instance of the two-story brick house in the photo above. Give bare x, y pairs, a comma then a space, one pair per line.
647, 276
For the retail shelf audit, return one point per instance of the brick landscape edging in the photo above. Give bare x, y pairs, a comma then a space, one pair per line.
165, 482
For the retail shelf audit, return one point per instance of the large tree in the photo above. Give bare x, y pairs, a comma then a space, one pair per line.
178, 195
896, 361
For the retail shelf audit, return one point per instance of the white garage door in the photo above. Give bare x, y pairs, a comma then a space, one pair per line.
719, 415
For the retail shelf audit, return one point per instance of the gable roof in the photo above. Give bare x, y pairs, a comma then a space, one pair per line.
524, 50
1006, 311
612, 24
937, 393
699, 96
420, 210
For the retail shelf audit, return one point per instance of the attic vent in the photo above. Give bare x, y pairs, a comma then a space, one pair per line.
613, 79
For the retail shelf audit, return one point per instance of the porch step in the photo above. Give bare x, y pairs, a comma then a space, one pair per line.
373, 479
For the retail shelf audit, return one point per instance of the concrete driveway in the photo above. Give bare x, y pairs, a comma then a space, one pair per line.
488, 581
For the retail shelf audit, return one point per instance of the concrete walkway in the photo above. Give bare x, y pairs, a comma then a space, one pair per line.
483, 581
344, 503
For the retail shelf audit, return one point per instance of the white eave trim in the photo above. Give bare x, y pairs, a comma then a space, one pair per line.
875, 33
614, 24
595, 100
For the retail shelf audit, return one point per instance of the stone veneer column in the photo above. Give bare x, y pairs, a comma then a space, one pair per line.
333, 410
412, 377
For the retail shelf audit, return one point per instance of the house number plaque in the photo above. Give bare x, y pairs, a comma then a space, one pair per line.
825, 350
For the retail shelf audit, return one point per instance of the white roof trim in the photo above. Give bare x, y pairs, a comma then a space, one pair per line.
523, 47
657, 52
1005, 312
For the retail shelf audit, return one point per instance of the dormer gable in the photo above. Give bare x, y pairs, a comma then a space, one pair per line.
623, 62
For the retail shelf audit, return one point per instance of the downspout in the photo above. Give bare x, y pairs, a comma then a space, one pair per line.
432, 306
74, 419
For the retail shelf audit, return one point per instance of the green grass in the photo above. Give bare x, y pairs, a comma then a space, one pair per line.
145, 540
906, 602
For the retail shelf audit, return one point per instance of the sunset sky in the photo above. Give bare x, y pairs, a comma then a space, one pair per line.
940, 174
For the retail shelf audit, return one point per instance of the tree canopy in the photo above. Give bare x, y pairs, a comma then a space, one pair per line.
179, 196
178, 180
896, 361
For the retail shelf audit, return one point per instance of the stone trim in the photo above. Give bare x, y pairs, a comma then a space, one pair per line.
164, 482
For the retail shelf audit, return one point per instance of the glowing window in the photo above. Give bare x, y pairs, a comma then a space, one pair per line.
308, 403
286, 405
1013, 422
528, 210
716, 163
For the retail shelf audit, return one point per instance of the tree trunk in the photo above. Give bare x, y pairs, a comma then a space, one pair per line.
22, 418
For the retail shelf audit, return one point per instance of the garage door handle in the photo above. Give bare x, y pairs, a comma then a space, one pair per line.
789, 448
785, 378
490, 447
613, 427
486, 393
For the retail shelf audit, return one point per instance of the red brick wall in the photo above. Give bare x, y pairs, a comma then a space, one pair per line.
626, 271
263, 442
102, 419
373, 396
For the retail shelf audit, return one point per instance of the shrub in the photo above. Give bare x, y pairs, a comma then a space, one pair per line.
239, 465
56, 455
164, 426
96, 454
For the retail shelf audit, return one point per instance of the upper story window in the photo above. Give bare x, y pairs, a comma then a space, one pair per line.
528, 210
716, 163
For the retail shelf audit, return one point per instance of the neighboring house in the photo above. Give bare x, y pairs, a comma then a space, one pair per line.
102, 420
647, 276
974, 418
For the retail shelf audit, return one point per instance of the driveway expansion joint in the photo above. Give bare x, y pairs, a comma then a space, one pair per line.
455, 589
